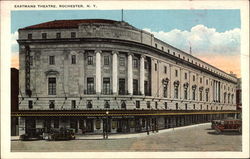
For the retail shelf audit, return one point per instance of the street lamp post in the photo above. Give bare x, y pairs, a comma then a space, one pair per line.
107, 112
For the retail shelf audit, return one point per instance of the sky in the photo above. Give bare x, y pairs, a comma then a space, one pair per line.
214, 35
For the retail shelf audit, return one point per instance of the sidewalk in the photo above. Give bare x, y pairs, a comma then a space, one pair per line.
123, 136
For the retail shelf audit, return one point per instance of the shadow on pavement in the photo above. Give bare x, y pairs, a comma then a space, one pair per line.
96, 139
224, 133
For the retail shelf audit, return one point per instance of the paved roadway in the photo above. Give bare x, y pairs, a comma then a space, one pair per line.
191, 138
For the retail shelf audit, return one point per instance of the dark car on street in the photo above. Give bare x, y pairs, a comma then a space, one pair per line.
228, 125
32, 134
61, 134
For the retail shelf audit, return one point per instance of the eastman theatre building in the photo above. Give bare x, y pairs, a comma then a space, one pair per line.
96, 75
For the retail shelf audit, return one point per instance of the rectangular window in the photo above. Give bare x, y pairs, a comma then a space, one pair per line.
176, 106
193, 77
165, 91
186, 106
193, 94
122, 86
145, 65
165, 69
137, 104
135, 63
185, 75
90, 86
90, 60
148, 105
51, 104
30, 104
122, 61
206, 82
176, 92
176, 73
207, 96
52, 86
51, 60
44, 35
173, 53
156, 105
194, 106
58, 35
135, 87
98, 124
166, 105
29, 36
155, 66
200, 80
89, 104
106, 86
73, 34
162, 48
146, 88
156, 45
185, 93
73, 59
73, 104
201, 95
106, 60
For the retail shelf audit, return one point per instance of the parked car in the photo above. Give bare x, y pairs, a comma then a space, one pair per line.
228, 125
61, 134
214, 122
32, 134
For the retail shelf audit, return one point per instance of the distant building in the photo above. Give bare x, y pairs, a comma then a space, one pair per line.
14, 100
96, 75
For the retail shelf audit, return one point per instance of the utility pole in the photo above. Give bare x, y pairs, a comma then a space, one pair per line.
122, 15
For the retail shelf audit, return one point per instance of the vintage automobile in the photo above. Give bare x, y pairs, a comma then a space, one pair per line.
61, 134
32, 134
228, 125
214, 122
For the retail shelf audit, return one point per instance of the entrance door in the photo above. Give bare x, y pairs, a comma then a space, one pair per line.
106, 125
89, 125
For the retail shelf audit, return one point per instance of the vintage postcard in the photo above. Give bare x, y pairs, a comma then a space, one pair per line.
142, 79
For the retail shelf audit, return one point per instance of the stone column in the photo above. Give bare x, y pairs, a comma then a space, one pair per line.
130, 74
98, 72
114, 72
142, 75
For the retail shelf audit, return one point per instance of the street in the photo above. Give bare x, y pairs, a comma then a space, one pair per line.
192, 138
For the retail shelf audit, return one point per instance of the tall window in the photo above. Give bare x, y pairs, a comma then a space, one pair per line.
106, 105
186, 106
156, 105
58, 35
228, 98
165, 69
44, 35
193, 77
148, 105
30, 104
122, 86
106, 86
176, 106
135, 63
193, 92
51, 104
232, 98
106, 60
185, 75
123, 105
200, 80
166, 105
73, 59
225, 96
122, 61
90, 86
207, 96
90, 60
137, 103
51, 60
165, 90
185, 93
176, 73
146, 87
176, 89
135, 87
89, 104
73, 104
145, 65
201, 95
73, 34
29, 36
52, 86
155, 66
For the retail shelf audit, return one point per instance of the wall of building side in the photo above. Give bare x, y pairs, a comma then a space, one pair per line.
71, 79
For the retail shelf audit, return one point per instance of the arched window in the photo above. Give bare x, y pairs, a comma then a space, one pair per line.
123, 105
106, 105
89, 104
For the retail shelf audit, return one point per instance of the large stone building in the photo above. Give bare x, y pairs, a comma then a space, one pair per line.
86, 73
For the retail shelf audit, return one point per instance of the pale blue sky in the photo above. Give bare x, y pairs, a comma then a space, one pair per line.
156, 20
